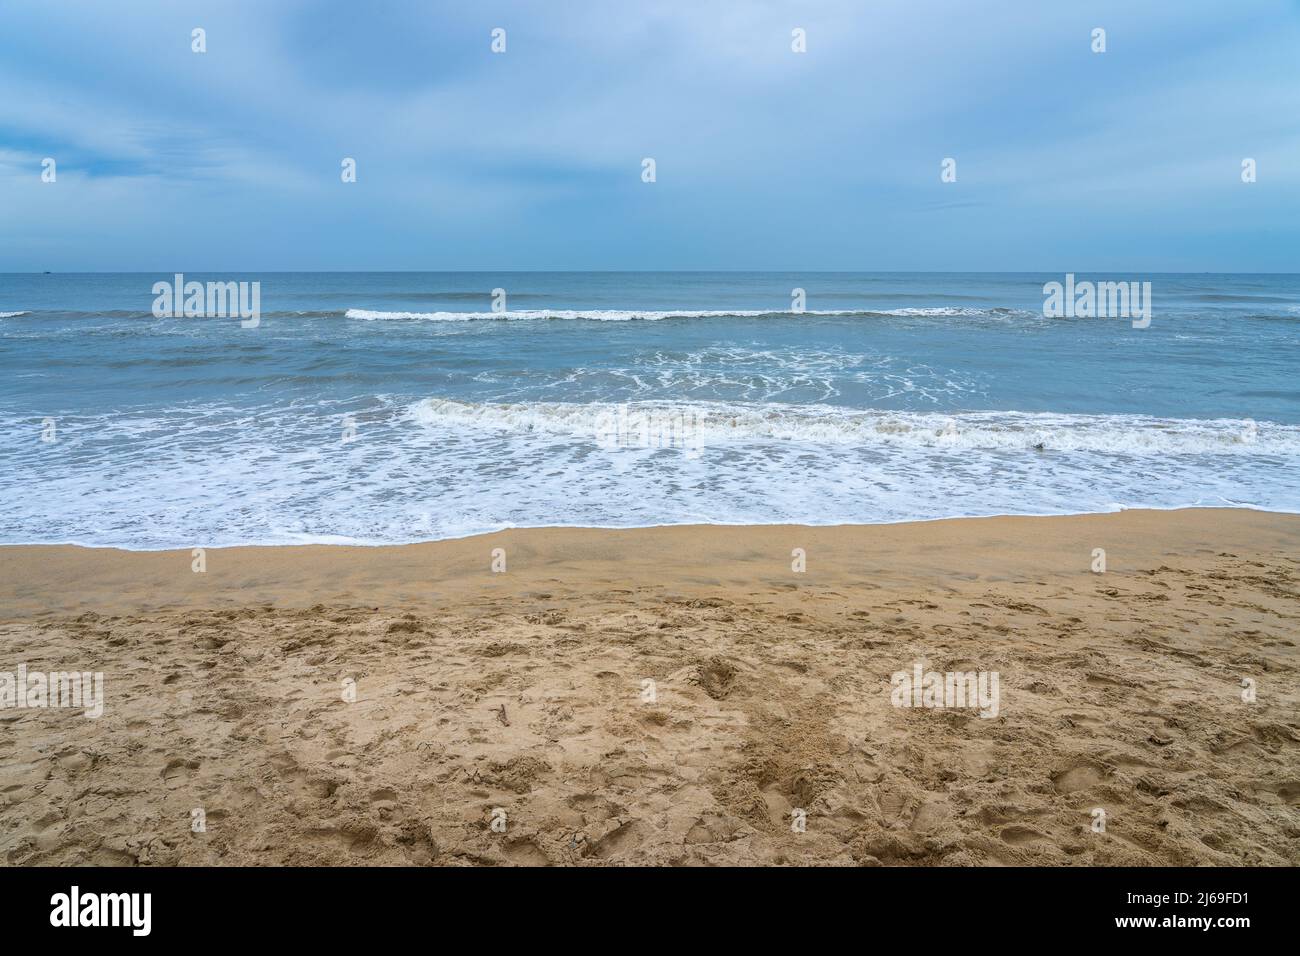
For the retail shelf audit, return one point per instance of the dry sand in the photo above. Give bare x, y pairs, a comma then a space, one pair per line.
524, 691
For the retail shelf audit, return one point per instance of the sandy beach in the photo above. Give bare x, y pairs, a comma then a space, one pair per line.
667, 696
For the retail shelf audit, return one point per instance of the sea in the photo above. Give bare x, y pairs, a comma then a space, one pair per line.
379, 408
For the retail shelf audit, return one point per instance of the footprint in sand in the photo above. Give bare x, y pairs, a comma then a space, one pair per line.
1018, 835
1290, 792
1077, 778
716, 676
177, 771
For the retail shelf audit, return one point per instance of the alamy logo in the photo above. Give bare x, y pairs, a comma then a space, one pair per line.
103, 909
55, 689
921, 688
1098, 300
215, 300
628, 427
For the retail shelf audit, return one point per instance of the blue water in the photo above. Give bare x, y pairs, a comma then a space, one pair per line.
395, 407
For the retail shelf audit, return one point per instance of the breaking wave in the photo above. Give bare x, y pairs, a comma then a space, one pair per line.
649, 315
719, 422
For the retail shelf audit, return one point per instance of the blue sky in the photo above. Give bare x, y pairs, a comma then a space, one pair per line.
766, 159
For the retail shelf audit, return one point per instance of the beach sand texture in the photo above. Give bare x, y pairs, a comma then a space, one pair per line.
525, 692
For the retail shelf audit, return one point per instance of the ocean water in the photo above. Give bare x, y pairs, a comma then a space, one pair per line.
399, 407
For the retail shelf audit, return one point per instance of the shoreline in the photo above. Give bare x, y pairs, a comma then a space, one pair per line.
525, 692
640, 527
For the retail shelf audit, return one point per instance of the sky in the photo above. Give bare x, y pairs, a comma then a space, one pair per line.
765, 159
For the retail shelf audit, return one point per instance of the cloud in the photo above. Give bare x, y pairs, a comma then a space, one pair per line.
531, 159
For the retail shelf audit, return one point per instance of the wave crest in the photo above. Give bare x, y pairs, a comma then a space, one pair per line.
650, 315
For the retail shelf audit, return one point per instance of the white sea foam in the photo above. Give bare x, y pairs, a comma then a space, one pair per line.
649, 315
12, 315
727, 423
279, 474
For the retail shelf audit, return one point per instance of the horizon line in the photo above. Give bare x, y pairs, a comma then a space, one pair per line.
646, 272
